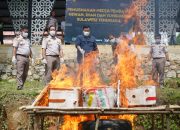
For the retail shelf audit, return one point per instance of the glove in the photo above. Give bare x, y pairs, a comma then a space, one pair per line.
14, 60
82, 51
32, 61
44, 61
97, 60
61, 60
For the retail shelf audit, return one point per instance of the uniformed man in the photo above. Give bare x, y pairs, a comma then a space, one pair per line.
52, 20
159, 55
52, 53
21, 54
113, 41
85, 43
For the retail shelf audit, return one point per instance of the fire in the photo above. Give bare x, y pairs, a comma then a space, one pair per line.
73, 121
127, 70
87, 75
62, 78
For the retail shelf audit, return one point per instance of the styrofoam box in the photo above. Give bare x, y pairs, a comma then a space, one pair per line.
63, 97
99, 97
143, 95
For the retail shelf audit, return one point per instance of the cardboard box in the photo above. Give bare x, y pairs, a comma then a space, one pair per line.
141, 96
64, 97
99, 97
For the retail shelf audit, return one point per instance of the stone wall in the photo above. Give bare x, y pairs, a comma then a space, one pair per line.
36, 72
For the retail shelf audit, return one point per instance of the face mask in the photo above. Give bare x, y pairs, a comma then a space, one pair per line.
86, 33
113, 40
52, 33
24, 34
158, 41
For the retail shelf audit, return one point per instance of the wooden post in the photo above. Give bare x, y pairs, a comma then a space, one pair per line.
168, 121
31, 122
162, 121
97, 123
58, 123
152, 117
42, 122
37, 123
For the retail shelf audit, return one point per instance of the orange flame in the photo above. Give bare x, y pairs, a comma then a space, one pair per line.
62, 78
87, 75
73, 121
126, 70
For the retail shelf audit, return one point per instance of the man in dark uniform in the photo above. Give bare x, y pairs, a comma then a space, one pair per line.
159, 54
85, 43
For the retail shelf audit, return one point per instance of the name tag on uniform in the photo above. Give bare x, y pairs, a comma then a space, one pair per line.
50, 42
21, 42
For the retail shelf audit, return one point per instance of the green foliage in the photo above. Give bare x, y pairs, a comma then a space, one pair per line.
146, 122
172, 83
178, 39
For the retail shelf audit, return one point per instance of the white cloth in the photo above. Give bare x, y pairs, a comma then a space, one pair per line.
14, 60
44, 61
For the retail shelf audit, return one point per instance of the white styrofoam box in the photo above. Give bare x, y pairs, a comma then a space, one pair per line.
64, 97
99, 97
143, 95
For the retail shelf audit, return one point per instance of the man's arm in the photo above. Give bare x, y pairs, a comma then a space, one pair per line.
61, 54
78, 44
43, 53
15, 46
44, 45
95, 47
14, 51
167, 56
166, 53
150, 53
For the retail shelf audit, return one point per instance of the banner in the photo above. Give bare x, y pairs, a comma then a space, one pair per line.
103, 16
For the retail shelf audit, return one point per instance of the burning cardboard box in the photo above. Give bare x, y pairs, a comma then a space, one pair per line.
99, 97
141, 96
64, 97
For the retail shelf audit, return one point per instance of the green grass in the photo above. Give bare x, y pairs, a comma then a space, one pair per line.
9, 92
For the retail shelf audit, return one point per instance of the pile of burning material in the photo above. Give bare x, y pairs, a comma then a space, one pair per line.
85, 88
100, 97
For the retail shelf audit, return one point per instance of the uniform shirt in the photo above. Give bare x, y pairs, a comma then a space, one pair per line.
23, 45
158, 50
88, 44
63, 24
52, 45
53, 22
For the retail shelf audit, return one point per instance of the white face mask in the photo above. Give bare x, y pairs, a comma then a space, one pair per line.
113, 40
52, 33
24, 34
158, 40
86, 33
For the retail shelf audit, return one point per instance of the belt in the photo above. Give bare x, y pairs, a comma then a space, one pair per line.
53, 55
158, 57
23, 55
